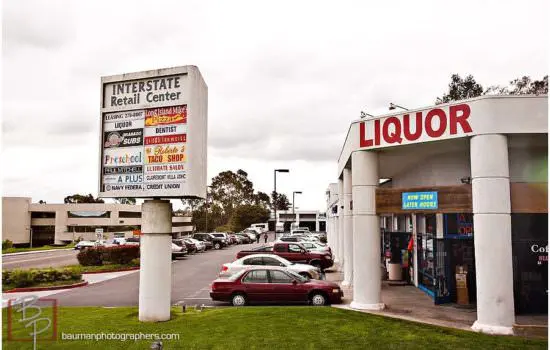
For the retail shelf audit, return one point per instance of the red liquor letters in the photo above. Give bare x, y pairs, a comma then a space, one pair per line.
394, 130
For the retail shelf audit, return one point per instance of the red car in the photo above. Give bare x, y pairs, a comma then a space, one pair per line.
274, 284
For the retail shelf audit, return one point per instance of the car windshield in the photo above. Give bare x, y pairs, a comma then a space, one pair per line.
297, 276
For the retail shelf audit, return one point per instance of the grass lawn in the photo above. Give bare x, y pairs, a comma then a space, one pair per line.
6, 287
264, 328
46, 247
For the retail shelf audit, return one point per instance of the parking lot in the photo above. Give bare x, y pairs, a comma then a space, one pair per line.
191, 278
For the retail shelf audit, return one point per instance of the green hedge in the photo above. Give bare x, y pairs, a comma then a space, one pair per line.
28, 278
98, 256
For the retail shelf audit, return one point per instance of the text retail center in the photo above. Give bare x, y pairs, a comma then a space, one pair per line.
153, 146
452, 199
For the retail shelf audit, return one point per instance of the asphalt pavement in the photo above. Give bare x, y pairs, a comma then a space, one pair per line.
40, 260
191, 279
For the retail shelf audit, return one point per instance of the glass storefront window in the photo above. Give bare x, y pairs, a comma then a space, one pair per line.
425, 244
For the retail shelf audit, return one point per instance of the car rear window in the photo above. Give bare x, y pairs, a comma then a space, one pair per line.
256, 276
280, 248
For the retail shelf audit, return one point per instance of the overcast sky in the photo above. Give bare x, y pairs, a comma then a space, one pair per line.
285, 78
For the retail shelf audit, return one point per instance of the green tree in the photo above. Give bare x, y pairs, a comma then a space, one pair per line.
215, 217
247, 214
281, 200
231, 189
79, 198
521, 86
460, 89
262, 199
191, 204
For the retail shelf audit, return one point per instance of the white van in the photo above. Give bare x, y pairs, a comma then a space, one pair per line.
262, 226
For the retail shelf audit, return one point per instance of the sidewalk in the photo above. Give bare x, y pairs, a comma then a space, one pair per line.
37, 251
410, 303
90, 278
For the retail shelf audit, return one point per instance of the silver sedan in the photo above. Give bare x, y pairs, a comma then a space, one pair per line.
305, 270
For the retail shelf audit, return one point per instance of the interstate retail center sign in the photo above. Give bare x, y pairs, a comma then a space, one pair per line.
153, 134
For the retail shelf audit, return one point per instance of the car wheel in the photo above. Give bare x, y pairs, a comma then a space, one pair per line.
318, 299
305, 274
217, 246
238, 300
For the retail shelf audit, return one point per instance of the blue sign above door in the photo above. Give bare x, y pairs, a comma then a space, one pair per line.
419, 200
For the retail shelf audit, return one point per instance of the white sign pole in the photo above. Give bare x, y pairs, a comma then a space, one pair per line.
155, 280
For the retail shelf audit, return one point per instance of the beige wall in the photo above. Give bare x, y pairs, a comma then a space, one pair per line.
17, 211
16, 219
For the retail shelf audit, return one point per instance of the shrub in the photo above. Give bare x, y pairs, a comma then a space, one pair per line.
224, 228
122, 255
27, 278
21, 278
6, 244
90, 257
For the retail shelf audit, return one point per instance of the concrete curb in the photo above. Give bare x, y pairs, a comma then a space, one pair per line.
38, 289
110, 271
37, 251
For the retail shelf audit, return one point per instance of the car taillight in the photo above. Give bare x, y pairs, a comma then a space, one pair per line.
224, 268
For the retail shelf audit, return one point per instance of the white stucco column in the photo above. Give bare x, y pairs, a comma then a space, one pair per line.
155, 273
492, 234
334, 239
341, 223
348, 230
61, 218
366, 233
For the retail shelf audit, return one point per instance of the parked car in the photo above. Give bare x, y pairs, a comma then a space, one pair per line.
178, 251
263, 227
305, 270
88, 244
295, 238
296, 252
191, 246
206, 238
298, 232
312, 246
238, 239
119, 240
220, 240
273, 284
231, 238
251, 234
264, 248
201, 247
244, 238
132, 241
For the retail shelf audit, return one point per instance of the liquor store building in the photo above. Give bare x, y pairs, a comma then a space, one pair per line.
452, 198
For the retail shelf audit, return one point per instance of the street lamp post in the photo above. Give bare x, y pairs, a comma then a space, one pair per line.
275, 194
293, 193
206, 208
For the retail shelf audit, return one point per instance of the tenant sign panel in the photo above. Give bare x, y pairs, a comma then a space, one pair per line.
153, 134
